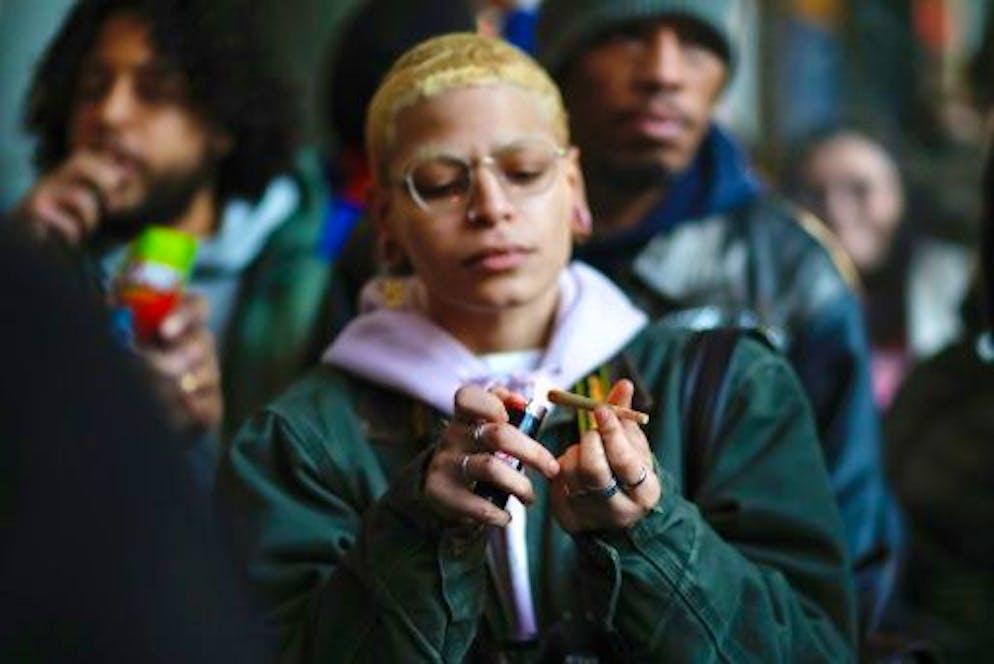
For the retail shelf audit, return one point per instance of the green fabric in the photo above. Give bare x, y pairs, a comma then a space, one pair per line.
321, 492
281, 320
566, 26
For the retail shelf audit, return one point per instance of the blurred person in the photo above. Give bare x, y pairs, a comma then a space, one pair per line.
370, 39
108, 549
912, 286
941, 464
150, 112
352, 497
682, 224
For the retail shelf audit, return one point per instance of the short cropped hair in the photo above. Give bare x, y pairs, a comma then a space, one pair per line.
452, 62
229, 80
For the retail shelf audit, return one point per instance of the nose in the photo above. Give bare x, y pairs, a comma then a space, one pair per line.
661, 65
489, 203
118, 103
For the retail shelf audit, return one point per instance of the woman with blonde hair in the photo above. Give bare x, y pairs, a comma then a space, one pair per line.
357, 499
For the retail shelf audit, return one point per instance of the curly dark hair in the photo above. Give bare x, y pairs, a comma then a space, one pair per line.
229, 77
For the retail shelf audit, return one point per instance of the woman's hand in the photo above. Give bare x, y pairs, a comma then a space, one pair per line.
464, 457
608, 479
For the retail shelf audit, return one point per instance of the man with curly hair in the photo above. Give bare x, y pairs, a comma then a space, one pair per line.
165, 112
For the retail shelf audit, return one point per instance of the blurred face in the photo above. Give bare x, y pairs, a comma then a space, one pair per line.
640, 99
132, 109
481, 199
853, 185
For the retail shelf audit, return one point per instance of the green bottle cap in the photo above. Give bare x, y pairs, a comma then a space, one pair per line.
167, 246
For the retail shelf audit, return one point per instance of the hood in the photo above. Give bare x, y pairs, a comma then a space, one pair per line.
719, 179
402, 349
245, 228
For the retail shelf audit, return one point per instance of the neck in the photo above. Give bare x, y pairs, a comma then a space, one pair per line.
617, 208
494, 331
201, 217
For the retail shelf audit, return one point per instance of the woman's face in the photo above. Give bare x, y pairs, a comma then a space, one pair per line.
853, 185
496, 234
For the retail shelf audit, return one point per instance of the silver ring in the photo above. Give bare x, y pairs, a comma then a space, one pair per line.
464, 470
628, 486
477, 434
604, 493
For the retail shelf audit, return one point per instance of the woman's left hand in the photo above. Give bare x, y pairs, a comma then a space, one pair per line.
607, 481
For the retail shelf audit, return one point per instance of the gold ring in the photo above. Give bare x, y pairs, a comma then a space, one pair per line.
188, 382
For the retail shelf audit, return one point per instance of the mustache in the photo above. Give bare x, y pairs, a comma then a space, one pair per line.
657, 106
118, 152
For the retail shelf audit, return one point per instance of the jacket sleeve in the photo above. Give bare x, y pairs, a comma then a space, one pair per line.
755, 569
831, 355
341, 581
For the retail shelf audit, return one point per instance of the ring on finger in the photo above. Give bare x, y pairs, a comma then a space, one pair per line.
188, 382
630, 486
604, 493
477, 434
464, 470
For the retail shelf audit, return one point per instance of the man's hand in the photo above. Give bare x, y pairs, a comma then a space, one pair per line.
608, 481
184, 367
70, 201
463, 458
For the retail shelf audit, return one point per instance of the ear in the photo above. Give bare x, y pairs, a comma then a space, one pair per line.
221, 143
581, 221
389, 251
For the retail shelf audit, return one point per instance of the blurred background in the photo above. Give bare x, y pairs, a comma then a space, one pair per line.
919, 70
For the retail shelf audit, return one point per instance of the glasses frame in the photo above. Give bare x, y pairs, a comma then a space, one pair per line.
471, 164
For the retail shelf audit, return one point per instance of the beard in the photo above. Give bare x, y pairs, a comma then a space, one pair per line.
631, 171
169, 197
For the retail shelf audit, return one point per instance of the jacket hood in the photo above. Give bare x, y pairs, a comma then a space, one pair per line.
403, 349
245, 227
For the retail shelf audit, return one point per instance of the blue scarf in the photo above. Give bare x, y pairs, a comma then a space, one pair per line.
717, 180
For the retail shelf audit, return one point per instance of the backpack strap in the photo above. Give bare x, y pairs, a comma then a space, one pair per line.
703, 396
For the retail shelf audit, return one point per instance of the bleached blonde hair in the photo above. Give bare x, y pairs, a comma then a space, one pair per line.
452, 62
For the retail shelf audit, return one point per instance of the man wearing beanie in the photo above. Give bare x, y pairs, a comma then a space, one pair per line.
683, 225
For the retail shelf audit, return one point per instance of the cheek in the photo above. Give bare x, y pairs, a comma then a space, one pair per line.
174, 140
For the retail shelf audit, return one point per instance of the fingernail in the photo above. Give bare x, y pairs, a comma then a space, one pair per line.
552, 469
170, 327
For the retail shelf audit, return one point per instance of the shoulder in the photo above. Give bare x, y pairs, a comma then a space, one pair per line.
314, 415
800, 233
662, 349
301, 231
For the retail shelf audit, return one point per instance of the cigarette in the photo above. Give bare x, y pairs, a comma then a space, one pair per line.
561, 398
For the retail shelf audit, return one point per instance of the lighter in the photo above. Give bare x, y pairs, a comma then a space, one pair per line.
527, 416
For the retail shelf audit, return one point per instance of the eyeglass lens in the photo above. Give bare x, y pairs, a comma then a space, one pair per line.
444, 182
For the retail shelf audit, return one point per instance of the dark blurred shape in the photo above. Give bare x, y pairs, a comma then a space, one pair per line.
108, 550
372, 37
941, 463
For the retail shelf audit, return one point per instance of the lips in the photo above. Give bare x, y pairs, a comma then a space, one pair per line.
498, 259
122, 159
657, 125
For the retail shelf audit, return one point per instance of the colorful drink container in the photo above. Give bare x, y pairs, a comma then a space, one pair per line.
152, 280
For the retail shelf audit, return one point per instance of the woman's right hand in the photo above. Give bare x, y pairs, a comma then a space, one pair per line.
464, 457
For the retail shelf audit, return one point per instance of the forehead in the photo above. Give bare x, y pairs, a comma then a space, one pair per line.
124, 39
853, 154
472, 120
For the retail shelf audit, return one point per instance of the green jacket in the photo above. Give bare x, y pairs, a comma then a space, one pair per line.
321, 491
280, 322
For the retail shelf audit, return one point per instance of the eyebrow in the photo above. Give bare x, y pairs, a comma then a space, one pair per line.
433, 151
